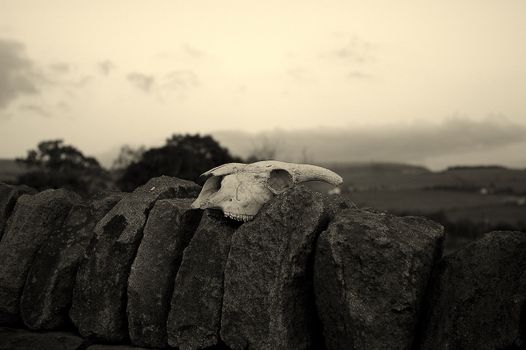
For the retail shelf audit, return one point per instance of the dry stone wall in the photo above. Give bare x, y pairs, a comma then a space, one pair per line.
49, 285
34, 221
145, 270
100, 294
170, 227
268, 302
370, 273
8, 196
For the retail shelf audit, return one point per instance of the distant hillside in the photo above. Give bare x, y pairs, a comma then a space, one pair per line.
437, 146
475, 167
379, 167
396, 176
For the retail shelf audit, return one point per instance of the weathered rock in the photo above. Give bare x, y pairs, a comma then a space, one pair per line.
113, 347
370, 274
8, 197
18, 339
34, 218
268, 301
170, 227
49, 286
479, 298
333, 204
102, 202
195, 314
99, 297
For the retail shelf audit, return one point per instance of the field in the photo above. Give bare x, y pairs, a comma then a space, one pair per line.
387, 176
467, 201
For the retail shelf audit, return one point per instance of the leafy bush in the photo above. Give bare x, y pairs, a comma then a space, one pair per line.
183, 156
55, 165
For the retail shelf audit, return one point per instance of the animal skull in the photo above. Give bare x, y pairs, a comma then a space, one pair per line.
240, 190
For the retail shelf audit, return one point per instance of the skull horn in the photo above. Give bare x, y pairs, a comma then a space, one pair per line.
225, 169
308, 172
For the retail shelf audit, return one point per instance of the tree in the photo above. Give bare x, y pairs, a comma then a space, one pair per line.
55, 165
127, 155
183, 156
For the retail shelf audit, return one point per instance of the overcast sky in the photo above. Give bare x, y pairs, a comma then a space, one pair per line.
104, 73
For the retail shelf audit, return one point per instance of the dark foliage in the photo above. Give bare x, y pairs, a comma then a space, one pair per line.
472, 229
476, 167
55, 165
183, 156
461, 232
127, 155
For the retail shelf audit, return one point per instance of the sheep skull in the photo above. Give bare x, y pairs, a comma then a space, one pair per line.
240, 190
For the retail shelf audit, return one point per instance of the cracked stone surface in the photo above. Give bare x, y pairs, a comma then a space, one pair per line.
371, 272
479, 298
268, 301
49, 287
195, 316
8, 196
19, 339
34, 219
100, 294
168, 231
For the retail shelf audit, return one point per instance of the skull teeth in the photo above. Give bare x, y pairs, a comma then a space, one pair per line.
239, 217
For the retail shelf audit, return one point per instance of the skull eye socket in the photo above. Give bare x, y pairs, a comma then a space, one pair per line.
212, 185
217, 182
279, 180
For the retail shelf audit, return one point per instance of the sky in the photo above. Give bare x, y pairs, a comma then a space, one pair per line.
100, 74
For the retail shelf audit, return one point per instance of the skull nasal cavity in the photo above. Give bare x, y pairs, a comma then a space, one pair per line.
279, 180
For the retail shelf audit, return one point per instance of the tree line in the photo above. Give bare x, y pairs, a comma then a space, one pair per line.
53, 164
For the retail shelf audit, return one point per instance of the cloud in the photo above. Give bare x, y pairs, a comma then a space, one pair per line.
63, 106
141, 81
81, 81
105, 67
193, 52
23, 79
186, 53
413, 143
358, 75
177, 80
355, 50
60, 67
180, 79
417, 142
301, 75
39, 110
64, 75
18, 75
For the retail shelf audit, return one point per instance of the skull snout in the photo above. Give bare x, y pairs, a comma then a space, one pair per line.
219, 200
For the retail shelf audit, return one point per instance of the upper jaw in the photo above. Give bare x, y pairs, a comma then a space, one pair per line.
229, 214
238, 217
